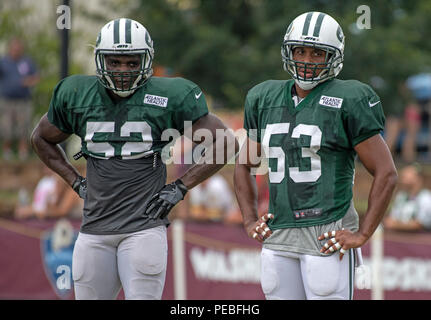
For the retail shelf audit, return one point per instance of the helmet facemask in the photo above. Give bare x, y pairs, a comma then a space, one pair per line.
123, 83
320, 71
124, 38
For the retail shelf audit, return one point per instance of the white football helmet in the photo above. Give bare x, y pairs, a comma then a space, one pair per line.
318, 30
128, 37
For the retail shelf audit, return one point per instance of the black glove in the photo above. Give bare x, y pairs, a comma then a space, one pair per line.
163, 201
80, 187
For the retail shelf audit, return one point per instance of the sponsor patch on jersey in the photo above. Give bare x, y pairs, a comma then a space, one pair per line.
156, 100
332, 102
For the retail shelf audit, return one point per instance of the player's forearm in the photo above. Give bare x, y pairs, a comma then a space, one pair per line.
198, 173
54, 157
246, 193
219, 153
378, 200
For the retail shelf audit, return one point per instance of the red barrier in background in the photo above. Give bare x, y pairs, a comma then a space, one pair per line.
221, 263
406, 267
22, 273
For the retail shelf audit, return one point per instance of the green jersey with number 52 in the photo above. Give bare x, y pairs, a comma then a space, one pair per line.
310, 147
132, 128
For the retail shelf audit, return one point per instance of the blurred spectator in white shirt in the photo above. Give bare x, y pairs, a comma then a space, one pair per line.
52, 198
411, 209
212, 200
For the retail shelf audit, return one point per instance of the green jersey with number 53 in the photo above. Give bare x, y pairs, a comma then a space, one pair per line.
132, 128
310, 147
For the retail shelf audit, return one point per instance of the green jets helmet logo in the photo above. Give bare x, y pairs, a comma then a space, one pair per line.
99, 38
340, 34
148, 40
289, 29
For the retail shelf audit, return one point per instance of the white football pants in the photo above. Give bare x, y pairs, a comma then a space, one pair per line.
137, 261
295, 276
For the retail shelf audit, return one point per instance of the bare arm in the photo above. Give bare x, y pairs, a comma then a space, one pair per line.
245, 184
220, 149
377, 159
246, 190
44, 140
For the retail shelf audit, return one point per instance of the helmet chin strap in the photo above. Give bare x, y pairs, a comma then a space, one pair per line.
123, 94
306, 85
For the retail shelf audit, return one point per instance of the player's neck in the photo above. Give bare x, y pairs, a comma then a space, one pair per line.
301, 92
115, 98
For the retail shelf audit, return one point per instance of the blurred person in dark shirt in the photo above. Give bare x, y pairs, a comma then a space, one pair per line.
18, 75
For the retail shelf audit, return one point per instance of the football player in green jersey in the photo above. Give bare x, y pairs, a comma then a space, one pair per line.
310, 129
122, 116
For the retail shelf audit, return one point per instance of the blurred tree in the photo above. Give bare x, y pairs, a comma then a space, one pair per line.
229, 46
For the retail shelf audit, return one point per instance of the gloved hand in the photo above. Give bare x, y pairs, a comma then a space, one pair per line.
80, 187
163, 201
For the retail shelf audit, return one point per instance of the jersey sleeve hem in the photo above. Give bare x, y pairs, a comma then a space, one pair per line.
364, 137
194, 119
200, 115
62, 129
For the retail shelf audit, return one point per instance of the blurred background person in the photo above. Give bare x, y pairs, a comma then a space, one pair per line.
52, 198
212, 200
412, 126
420, 87
235, 216
403, 121
18, 75
411, 208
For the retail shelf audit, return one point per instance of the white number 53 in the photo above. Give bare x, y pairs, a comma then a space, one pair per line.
278, 175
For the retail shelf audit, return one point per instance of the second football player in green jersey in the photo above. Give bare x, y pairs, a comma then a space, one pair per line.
310, 129
310, 146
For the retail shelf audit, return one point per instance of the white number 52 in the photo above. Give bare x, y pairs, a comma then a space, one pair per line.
107, 150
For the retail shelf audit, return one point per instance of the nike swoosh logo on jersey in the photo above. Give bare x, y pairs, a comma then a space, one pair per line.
373, 104
197, 96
